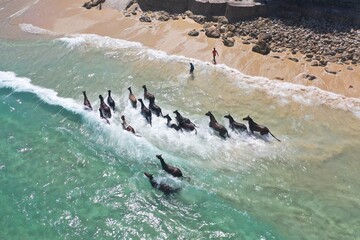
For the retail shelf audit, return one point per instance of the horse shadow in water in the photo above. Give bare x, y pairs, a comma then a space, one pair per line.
216, 126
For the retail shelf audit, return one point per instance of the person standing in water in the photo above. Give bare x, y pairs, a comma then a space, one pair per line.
192, 68
214, 53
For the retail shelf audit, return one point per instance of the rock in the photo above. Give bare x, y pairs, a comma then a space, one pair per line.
189, 14
193, 33
331, 71
145, 18
246, 42
163, 17
262, 48
294, 59
199, 19
309, 77
212, 32
314, 63
228, 42
264, 37
350, 68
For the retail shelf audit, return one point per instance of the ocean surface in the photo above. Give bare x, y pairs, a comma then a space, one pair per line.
66, 174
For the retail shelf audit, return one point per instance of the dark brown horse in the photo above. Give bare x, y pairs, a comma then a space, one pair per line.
110, 100
87, 102
147, 95
171, 125
254, 127
126, 126
176, 172
132, 98
155, 108
236, 126
104, 108
216, 126
161, 186
145, 112
184, 122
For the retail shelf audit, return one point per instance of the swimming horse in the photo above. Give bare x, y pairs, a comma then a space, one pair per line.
104, 108
174, 171
216, 126
165, 188
184, 122
145, 111
155, 108
254, 127
110, 100
126, 126
235, 126
132, 98
87, 102
147, 95
171, 125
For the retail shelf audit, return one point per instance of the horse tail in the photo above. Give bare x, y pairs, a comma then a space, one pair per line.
275, 137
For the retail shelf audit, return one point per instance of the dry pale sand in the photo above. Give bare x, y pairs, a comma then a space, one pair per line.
171, 37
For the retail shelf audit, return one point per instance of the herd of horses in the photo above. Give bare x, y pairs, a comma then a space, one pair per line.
182, 124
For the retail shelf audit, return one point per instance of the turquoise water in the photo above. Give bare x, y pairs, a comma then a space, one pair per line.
66, 174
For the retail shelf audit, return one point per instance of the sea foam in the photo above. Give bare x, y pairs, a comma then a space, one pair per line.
284, 92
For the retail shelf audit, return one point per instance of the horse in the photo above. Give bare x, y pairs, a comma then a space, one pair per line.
254, 127
87, 102
132, 98
102, 116
184, 122
110, 100
171, 125
104, 108
161, 186
155, 108
216, 126
235, 126
126, 126
145, 111
147, 95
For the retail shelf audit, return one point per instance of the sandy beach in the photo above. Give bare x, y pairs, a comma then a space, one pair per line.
172, 37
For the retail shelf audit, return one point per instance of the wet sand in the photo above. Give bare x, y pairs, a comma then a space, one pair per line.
172, 37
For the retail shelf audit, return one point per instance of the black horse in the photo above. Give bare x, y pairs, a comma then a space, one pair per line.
145, 112
155, 108
161, 186
254, 127
132, 98
184, 122
216, 126
87, 102
110, 100
171, 125
236, 126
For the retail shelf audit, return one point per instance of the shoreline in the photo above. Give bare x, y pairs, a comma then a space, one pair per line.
172, 37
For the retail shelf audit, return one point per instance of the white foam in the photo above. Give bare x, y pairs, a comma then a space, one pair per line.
29, 28
21, 84
283, 91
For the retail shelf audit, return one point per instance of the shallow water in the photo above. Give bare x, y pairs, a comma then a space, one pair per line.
67, 174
